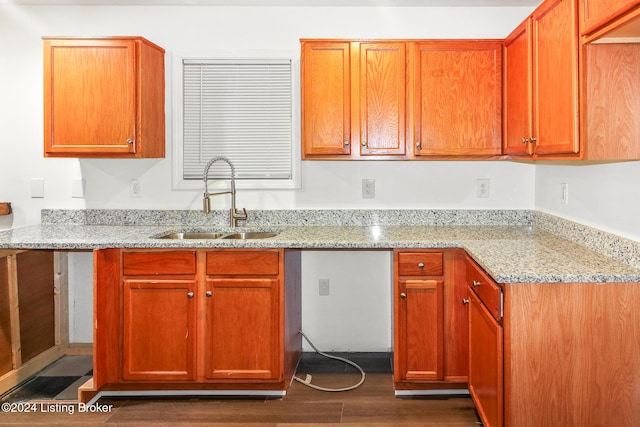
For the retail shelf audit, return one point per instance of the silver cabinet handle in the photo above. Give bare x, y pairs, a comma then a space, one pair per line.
476, 283
129, 141
420, 265
347, 143
533, 139
418, 145
364, 143
465, 301
525, 140
190, 294
208, 293
403, 295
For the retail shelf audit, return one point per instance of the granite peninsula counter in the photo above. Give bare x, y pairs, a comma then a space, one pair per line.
504, 243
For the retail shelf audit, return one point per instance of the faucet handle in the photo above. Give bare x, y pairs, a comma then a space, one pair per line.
240, 215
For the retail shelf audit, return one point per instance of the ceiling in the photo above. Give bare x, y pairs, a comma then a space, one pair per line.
411, 3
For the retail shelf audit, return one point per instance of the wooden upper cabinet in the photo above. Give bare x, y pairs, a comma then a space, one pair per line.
518, 115
326, 99
596, 13
103, 98
555, 78
541, 83
383, 97
458, 107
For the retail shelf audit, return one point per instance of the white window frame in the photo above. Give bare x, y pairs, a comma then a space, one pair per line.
178, 182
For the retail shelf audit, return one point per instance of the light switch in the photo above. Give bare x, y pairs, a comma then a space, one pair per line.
77, 188
37, 188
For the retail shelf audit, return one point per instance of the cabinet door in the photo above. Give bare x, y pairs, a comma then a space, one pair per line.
458, 107
595, 13
419, 344
90, 96
555, 75
243, 332
383, 95
326, 99
518, 126
159, 329
485, 363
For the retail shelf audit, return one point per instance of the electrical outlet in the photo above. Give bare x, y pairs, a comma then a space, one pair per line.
135, 189
323, 287
482, 188
368, 188
564, 193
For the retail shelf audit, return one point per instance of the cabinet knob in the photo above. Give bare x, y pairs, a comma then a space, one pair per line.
347, 143
190, 294
208, 293
129, 141
533, 139
476, 283
525, 140
363, 143
420, 265
418, 145
465, 301
403, 295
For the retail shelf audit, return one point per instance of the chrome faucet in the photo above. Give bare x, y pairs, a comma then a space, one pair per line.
234, 214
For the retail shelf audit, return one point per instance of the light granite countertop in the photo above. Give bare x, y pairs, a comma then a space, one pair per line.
509, 253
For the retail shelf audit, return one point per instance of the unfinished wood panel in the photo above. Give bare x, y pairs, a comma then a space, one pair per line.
383, 98
292, 312
6, 359
611, 119
580, 344
35, 275
326, 98
450, 79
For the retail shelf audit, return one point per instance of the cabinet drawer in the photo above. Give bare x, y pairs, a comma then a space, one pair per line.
486, 289
243, 263
158, 263
420, 263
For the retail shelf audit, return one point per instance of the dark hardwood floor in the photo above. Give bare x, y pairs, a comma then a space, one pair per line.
372, 404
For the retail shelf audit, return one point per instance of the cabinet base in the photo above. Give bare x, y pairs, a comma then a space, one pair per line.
183, 393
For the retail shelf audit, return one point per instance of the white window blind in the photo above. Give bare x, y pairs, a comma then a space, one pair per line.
240, 109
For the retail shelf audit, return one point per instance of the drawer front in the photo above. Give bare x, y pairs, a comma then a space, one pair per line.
420, 264
487, 290
158, 263
243, 263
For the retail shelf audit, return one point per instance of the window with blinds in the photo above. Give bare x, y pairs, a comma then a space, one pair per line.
240, 109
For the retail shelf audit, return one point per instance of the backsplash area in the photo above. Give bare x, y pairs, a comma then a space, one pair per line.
611, 245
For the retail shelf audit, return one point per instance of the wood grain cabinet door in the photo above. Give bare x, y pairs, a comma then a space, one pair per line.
383, 98
518, 96
242, 331
326, 98
458, 98
485, 363
594, 13
555, 78
420, 326
159, 322
103, 97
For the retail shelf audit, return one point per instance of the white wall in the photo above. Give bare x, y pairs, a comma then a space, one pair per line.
604, 196
186, 29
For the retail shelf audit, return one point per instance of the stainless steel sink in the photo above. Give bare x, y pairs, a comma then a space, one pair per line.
250, 235
202, 235
192, 235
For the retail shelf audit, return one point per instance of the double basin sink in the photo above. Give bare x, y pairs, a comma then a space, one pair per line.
202, 235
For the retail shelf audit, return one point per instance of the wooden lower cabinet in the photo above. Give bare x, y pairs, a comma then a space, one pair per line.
430, 319
196, 319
